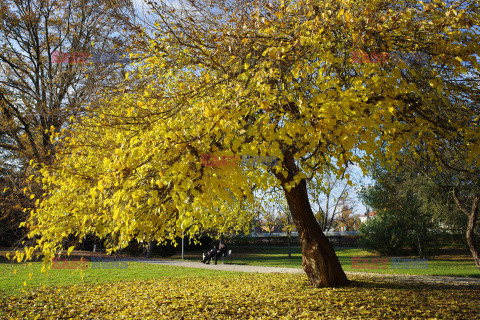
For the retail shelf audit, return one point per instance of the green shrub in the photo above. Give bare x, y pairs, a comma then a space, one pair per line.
399, 235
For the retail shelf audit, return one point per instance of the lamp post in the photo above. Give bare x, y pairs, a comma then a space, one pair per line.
183, 236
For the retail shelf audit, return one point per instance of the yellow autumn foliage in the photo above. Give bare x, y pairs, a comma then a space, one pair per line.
279, 83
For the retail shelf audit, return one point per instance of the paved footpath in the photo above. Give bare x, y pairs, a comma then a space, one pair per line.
404, 278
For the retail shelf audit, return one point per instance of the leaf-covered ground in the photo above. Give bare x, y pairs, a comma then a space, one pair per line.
244, 296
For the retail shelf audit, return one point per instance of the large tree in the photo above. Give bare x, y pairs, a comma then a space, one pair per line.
231, 78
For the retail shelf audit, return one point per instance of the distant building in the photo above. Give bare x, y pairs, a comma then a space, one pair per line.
367, 216
262, 227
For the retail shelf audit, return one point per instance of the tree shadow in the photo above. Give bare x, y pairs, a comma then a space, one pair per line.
371, 283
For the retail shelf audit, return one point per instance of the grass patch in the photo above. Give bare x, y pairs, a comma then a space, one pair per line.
455, 263
243, 296
274, 256
22, 277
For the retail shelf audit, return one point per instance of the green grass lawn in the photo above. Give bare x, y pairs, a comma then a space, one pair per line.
459, 263
16, 278
22, 277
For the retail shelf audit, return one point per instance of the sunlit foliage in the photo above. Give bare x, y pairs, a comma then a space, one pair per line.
270, 80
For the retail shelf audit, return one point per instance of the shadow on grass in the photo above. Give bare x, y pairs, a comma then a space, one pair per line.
367, 283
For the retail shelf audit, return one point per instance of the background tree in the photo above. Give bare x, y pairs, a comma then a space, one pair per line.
403, 222
277, 214
457, 179
12, 200
328, 192
434, 187
270, 207
288, 226
260, 79
467, 198
45, 78
346, 221
438, 199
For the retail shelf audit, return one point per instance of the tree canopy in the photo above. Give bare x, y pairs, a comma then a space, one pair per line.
252, 78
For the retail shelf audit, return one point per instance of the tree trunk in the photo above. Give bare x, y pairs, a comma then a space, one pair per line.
419, 244
319, 259
470, 234
472, 220
289, 249
471, 241
148, 252
320, 262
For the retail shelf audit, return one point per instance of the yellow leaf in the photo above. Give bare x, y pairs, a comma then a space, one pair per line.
347, 16
151, 202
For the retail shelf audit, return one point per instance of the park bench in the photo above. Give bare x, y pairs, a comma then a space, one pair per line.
224, 256
227, 256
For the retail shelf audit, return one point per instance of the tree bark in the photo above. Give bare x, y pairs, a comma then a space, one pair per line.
470, 234
320, 262
472, 220
472, 244
420, 251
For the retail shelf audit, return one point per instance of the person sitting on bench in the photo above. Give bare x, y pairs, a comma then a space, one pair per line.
222, 252
209, 255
